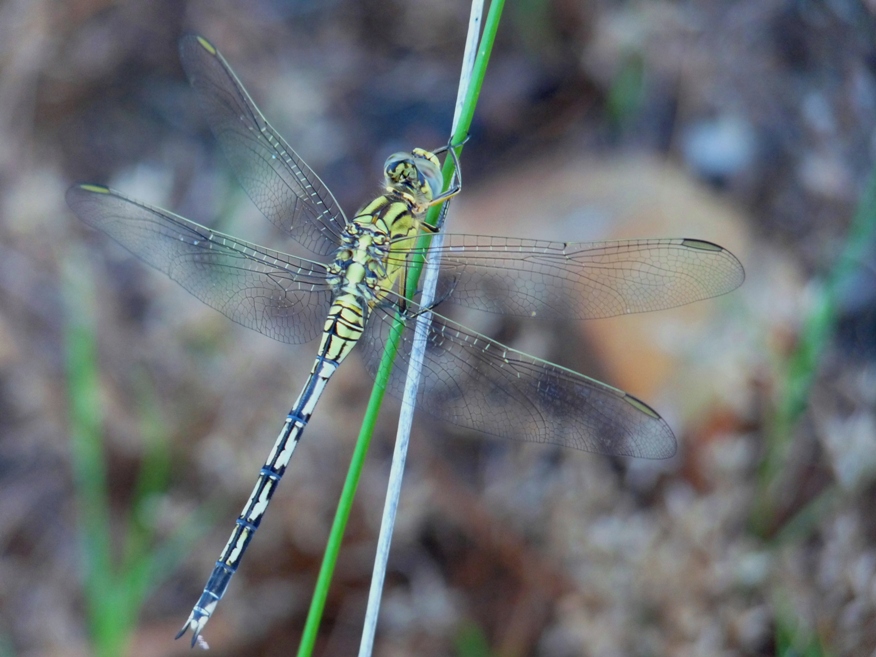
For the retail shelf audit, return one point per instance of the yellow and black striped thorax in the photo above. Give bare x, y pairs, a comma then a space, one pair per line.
371, 258
363, 272
365, 266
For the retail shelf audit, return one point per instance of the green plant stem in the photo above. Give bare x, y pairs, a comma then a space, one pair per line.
345, 504
802, 365
87, 460
113, 592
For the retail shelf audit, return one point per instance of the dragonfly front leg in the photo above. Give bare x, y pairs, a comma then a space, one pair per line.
456, 183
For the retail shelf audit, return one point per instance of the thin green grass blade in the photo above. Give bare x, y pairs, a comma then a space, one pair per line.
113, 595
107, 623
6, 649
156, 565
345, 504
470, 641
794, 638
146, 565
802, 365
153, 477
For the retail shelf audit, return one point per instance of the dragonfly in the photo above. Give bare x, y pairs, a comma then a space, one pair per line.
349, 289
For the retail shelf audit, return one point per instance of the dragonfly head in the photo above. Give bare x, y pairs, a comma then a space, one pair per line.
416, 173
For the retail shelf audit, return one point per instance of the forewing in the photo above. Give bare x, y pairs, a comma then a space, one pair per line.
478, 383
277, 180
536, 278
278, 295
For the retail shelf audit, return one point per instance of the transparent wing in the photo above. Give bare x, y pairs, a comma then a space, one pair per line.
480, 384
277, 180
278, 295
581, 280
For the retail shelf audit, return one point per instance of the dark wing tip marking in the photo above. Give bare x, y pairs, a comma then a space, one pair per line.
89, 187
203, 42
79, 194
209, 47
278, 181
641, 406
665, 448
702, 245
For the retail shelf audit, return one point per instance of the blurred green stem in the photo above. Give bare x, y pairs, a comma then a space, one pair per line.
108, 630
113, 595
802, 364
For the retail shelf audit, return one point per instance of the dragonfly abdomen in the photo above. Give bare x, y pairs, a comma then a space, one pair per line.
254, 510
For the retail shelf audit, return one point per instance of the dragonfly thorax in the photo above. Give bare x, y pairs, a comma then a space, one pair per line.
415, 176
359, 266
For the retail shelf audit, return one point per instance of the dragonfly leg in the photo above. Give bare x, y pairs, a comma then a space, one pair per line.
432, 306
456, 184
450, 144
403, 281
402, 305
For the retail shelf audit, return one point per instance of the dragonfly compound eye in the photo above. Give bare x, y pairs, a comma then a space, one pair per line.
430, 172
399, 168
417, 170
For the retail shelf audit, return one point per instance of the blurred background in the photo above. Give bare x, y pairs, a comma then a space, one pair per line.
133, 419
